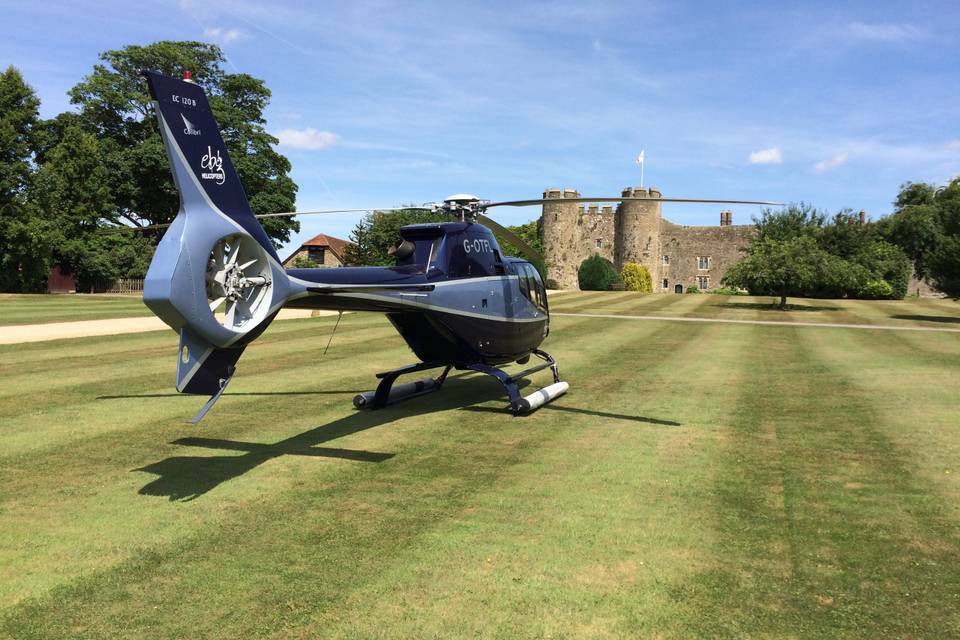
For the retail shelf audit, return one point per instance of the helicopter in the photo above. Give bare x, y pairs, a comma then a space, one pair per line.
454, 297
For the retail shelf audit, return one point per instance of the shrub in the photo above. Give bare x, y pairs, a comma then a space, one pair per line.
596, 274
551, 284
876, 290
693, 289
636, 277
303, 262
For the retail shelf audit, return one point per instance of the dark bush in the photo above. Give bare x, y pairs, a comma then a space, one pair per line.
597, 274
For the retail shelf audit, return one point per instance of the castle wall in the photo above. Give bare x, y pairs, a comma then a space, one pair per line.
561, 237
596, 227
682, 247
637, 231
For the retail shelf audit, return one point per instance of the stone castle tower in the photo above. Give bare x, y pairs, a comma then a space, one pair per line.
677, 256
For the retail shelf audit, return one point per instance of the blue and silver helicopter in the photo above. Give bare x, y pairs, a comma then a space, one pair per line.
454, 297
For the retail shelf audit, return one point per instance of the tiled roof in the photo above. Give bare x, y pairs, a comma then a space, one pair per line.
336, 245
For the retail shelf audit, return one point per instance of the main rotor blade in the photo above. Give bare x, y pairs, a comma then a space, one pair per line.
328, 211
530, 203
278, 215
515, 240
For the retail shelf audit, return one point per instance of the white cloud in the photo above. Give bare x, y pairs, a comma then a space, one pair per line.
831, 163
767, 156
224, 35
886, 32
308, 138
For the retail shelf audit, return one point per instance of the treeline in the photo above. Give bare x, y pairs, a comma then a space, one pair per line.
72, 185
801, 251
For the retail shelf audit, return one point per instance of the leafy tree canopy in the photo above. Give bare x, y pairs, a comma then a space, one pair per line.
25, 248
926, 226
801, 251
115, 107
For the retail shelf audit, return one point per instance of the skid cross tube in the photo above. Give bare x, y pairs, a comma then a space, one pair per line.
387, 378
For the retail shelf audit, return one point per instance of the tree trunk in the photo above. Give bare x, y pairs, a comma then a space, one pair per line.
783, 301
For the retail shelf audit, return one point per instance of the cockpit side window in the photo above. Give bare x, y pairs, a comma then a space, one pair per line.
524, 283
531, 286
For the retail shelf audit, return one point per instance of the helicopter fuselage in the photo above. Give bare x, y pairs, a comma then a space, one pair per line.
453, 296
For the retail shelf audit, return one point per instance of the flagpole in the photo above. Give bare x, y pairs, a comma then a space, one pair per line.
641, 172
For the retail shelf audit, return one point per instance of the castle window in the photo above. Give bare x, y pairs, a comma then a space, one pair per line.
703, 262
599, 243
703, 282
666, 283
666, 259
556, 216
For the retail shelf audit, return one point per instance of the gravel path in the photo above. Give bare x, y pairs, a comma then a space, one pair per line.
16, 334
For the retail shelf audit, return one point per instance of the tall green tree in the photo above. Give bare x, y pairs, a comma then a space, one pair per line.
72, 189
379, 231
25, 250
836, 257
115, 107
787, 267
926, 226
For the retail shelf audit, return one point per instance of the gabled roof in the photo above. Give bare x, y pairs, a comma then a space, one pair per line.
335, 245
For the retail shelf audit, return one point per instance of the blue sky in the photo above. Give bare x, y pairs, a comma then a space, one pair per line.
383, 103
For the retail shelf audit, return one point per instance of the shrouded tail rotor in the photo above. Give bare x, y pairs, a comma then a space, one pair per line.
239, 282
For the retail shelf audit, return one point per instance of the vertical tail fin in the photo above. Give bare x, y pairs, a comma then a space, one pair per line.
202, 167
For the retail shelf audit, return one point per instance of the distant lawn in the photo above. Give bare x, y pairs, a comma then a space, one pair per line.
912, 311
37, 309
698, 481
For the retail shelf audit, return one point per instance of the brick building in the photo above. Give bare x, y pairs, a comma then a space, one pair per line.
324, 250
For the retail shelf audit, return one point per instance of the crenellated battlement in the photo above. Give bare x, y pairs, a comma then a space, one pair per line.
635, 231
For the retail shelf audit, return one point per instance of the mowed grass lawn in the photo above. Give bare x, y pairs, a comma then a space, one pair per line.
699, 480
42, 309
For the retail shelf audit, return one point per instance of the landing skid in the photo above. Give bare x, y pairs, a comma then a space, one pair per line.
386, 393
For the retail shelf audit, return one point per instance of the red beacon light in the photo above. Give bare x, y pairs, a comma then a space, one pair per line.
187, 76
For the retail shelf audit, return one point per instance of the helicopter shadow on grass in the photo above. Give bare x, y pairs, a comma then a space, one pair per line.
588, 412
227, 394
923, 318
774, 306
189, 477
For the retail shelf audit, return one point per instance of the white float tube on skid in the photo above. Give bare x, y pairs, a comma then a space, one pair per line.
543, 396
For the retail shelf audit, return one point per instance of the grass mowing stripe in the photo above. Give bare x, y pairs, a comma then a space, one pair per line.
450, 456
73, 404
597, 492
913, 380
829, 531
41, 309
91, 473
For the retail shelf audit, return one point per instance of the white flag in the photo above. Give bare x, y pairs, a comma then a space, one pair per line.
640, 157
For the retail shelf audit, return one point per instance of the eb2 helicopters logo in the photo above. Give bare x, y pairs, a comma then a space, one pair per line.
212, 164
